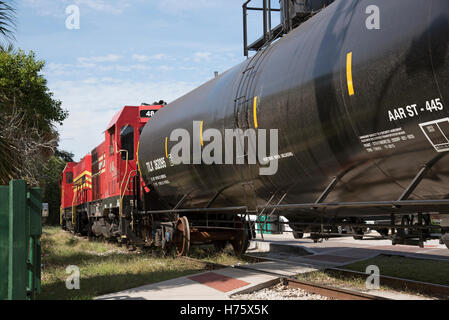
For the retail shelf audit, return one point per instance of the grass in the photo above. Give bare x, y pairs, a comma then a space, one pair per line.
321, 277
106, 268
226, 257
394, 266
432, 271
351, 283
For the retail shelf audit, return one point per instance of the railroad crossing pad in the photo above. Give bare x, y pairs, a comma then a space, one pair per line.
193, 288
215, 285
282, 268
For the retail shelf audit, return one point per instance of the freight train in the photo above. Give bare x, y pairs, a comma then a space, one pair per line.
335, 121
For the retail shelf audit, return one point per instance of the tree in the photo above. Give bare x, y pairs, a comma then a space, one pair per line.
7, 22
64, 155
23, 86
7, 168
28, 113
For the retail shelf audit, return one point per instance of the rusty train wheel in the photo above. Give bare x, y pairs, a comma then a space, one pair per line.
182, 237
241, 243
445, 240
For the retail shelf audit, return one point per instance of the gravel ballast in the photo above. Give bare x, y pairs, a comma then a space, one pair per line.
280, 292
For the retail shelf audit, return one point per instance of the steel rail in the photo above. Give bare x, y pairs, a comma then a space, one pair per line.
431, 289
330, 292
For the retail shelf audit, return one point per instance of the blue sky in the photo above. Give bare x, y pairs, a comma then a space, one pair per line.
127, 52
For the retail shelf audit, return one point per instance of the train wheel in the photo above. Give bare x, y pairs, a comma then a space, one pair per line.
405, 222
241, 244
315, 237
220, 245
298, 234
383, 232
359, 233
445, 239
182, 237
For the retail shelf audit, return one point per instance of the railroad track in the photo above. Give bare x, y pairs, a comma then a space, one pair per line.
323, 290
330, 292
434, 290
431, 289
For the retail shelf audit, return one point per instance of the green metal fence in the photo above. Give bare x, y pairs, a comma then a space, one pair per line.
20, 247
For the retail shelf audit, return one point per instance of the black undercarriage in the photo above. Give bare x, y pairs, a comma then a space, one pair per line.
142, 223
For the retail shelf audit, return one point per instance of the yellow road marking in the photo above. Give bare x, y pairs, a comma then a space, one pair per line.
349, 73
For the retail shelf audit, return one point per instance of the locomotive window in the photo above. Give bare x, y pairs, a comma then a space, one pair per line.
111, 143
69, 177
127, 139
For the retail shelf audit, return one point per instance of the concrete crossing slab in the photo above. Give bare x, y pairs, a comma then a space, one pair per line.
216, 285
189, 288
282, 268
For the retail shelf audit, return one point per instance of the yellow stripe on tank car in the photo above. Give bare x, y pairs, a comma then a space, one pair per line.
202, 141
256, 125
349, 74
166, 147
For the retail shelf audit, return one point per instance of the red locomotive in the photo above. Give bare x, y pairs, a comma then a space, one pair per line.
100, 188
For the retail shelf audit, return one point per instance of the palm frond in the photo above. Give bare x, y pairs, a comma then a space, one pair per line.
9, 48
7, 19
